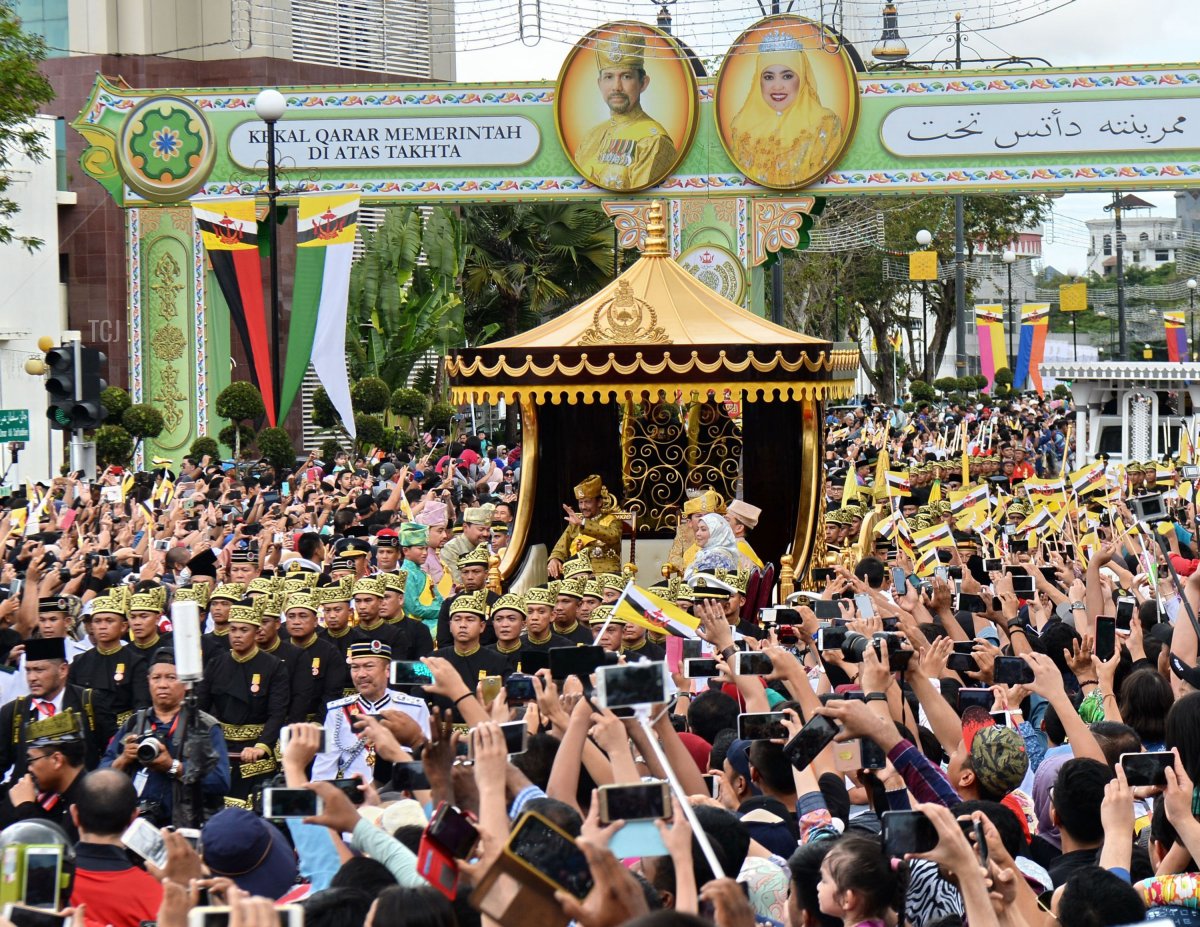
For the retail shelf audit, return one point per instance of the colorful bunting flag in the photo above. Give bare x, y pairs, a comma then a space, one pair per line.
1176, 336
230, 232
989, 324
1035, 323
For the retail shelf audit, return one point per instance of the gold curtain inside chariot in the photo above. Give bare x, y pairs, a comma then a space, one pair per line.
672, 448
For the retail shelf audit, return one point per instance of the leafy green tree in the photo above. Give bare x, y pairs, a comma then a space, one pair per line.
114, 446
527, 262
24, 91
370, 395
848, 286
204, 445
143, 421
236, 437
439, 416
409, 403
239, 402
403, 299
115, 401
276, 446
324, 415
369, 429
330, 448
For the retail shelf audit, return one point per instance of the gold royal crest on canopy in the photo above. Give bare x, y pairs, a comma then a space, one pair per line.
624, 319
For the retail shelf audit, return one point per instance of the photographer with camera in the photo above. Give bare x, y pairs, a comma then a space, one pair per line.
148, 747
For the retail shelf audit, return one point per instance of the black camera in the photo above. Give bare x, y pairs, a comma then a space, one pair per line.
150, 748
91, 561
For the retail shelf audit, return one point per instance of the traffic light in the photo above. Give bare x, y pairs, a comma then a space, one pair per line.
88, 412
70, 366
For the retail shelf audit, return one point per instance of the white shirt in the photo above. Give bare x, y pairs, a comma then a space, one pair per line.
345, 753
15, 684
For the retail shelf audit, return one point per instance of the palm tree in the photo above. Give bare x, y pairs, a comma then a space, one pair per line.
526, 263
403, 301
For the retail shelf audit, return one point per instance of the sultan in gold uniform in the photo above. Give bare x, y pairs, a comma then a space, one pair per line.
594, 531
629, 150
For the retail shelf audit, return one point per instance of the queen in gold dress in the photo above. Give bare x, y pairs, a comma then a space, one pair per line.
782, 135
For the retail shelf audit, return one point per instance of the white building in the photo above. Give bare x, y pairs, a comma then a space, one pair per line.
1149, 241
32, 303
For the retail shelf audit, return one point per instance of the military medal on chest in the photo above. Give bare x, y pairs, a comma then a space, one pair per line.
255, 682
619, 151
120, 673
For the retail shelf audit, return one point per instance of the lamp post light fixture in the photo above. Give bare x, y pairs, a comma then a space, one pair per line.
270, 106
1009, 257
1191, 285
1147, 352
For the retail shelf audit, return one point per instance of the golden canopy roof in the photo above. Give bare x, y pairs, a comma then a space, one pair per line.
656, 327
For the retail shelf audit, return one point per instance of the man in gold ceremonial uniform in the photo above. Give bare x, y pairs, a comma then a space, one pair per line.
593, 530
629, 150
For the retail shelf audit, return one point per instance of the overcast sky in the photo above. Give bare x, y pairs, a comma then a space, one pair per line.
1082, 32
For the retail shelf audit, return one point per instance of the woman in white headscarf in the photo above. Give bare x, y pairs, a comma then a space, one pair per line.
718, 546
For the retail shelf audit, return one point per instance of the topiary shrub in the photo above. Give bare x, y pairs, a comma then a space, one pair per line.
143, 421
370, 395
275, 445
921, 391
204, 446
410, 403
115, 401
324, 415
1060, 391
114, 446
236, 437
439, 416
370, 430
330, 448
240, 401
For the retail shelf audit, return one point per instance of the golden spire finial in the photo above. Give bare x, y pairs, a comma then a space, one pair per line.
656, 232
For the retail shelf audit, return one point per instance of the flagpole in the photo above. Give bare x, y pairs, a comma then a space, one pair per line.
684, 805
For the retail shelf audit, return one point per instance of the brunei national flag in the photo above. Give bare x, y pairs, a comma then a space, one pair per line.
938, 535
1088, 479
897, 484
928, 562
962, 499
230, 232
976, 518
887, 528
1037, 520
646, 610
327, 224
1036, 487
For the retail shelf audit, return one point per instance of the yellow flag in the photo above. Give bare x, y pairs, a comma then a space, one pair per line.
882, 465
935, 491
850, 490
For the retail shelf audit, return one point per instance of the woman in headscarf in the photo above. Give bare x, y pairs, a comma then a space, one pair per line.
783, 135
718, 546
